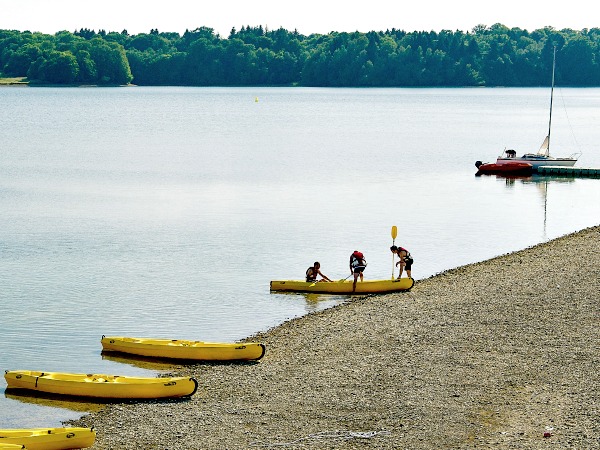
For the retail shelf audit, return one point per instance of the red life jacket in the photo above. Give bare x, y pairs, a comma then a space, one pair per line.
357, 259
402, 249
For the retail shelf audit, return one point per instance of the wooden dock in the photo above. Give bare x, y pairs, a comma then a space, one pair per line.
568, 171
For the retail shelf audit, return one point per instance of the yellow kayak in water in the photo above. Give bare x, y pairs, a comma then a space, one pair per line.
47, 438
101, 386
344, 286
181, 349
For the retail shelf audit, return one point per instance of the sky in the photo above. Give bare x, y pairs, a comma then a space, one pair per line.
307, 16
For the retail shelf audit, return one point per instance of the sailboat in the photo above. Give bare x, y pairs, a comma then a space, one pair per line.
542, 157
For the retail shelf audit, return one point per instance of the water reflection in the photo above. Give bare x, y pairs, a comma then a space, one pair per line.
55, 401
546, 186
77, 403
313, 302
543, 182
141, 362
538, 179
163, 364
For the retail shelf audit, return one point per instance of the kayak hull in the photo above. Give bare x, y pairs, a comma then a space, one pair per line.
100, 386
48, 438
344, 286
181, 349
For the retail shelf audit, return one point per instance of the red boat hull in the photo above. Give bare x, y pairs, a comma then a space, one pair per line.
512, 168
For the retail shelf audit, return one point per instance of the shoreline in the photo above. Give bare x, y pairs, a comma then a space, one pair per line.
492, 354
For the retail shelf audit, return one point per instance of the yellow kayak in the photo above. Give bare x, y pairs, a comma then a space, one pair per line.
180, 349
344, 286
47, 438
100, 386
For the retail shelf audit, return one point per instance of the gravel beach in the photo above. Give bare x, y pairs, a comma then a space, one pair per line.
501, 354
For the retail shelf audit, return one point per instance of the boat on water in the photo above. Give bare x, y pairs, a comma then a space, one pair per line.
344, 286
182, 349
542, 157
47, 438
512, 168
100, 385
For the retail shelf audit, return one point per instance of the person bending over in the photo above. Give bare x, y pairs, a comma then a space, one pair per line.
406, 261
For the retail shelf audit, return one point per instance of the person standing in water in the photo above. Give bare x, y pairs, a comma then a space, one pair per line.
358, 263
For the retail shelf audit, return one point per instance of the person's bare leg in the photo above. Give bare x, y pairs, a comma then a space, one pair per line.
401, 269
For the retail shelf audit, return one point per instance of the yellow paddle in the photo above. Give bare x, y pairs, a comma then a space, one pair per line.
394, 234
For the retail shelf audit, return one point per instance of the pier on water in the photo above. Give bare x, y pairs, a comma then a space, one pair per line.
568, 171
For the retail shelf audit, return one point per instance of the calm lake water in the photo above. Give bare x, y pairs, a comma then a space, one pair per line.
165, 212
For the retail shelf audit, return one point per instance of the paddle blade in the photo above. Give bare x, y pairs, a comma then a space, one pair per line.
394, 232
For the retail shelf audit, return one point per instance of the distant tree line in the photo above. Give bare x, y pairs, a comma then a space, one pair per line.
256, 56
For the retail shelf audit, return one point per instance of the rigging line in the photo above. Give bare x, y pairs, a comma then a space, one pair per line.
569, 120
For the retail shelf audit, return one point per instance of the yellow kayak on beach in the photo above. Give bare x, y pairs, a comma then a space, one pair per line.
47, 438
344, 286
181, 349
100, 386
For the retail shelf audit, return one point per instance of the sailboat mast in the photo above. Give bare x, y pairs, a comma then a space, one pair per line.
551, 98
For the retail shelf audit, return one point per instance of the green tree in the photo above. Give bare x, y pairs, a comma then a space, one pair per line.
58, 68
20, 60
111, 62
203, 65
578, 53
143, 42
87, 67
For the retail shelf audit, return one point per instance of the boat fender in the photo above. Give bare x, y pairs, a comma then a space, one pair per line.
264, 349
195, 387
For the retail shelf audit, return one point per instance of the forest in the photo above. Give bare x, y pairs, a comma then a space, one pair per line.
255, 56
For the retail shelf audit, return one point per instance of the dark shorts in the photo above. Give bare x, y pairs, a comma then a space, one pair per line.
409, 263
359, 269
310, 280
